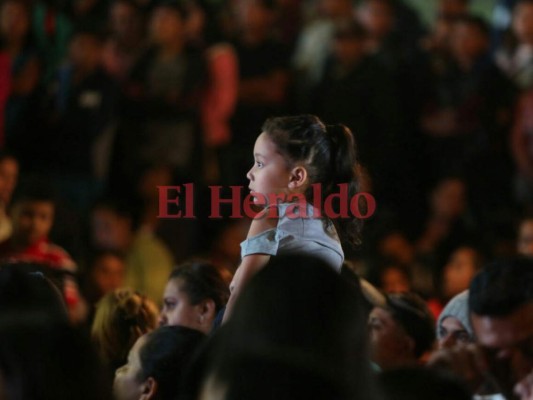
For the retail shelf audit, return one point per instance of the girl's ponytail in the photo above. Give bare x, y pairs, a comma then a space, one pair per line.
344, 170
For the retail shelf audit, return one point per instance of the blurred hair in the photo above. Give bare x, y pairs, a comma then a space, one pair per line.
202, 280
166, 356
502, 287
121, 318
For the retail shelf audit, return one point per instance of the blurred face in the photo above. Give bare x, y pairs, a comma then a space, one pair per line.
349, 50
84, 50
508, 343
14, 20
459, 271
398, 247
452, 333
108, 273
525, 238
388, 340
377, 17
9, 171
178, 310
270, 174
123, 19
32, 221
468, 43
523, 23
166, 26
111, 231
449, 199
253, 15
128, 384
393, 280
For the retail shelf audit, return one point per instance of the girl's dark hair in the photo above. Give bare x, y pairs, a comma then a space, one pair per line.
202, 280
328, 152
166, 356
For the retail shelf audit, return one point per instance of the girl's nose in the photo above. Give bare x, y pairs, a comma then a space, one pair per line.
249, 175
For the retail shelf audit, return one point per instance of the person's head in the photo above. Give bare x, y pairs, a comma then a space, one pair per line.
32, 216
394, 278
396, 246
157, 363
300, 315
349, 44
107, 271
46, 359
167, 23
452, 8
378, 18
125, 20
194, 295
523, 21
525, 237
121, 318
256, 16
9, 172
469, 39
15, 20
401, 332
501, 311
203, 24
112, 225
293, 154
453, 325
449, 198
461, 268
85, 51
413, 383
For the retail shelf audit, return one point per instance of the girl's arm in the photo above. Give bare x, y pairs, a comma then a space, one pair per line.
250, 265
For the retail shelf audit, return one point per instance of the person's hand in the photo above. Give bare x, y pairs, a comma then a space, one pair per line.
524, 388
466, 361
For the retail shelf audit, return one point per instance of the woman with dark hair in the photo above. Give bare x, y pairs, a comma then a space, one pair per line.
157, 363
194, 295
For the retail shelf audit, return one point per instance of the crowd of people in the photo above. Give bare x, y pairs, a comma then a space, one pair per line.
103, 102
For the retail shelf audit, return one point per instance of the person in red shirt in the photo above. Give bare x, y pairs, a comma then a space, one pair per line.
32, 218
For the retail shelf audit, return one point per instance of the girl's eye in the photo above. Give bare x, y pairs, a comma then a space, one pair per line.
259, 164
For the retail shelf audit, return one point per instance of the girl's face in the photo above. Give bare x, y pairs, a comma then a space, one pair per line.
178, 310
14, 20
459, 271
270, 173
166, 26
127, 384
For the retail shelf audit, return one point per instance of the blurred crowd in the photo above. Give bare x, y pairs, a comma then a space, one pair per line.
104, 101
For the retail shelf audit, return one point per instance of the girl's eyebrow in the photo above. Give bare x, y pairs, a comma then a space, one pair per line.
258, 155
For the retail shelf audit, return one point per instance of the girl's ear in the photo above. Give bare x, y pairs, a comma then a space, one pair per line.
149, 389
206, 311
298, 177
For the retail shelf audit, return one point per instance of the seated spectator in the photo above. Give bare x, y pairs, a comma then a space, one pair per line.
501, 311
394, 278
106, 273
401, 331
33, 217
300, 323
157, 364
463, 265
121, 318
453, 325
194, 295
522, 149
148, 261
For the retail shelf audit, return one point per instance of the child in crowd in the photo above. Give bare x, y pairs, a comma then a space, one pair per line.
32, 218
292, 155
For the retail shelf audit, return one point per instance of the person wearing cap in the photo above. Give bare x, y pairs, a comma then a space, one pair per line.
401, 331
453, 325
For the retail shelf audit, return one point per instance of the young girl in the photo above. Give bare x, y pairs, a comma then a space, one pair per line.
292, 155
